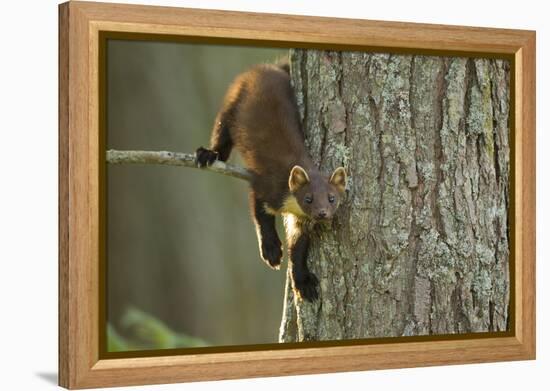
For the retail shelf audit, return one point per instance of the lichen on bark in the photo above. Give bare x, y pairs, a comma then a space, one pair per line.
420, 244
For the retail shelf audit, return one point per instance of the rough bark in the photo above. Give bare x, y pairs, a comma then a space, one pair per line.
420, 245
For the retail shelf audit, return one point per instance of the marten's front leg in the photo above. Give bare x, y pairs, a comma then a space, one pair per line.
270, 244
305, 282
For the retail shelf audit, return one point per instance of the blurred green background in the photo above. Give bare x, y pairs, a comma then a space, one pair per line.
183, 267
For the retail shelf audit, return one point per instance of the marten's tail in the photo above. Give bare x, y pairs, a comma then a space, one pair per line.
283, 64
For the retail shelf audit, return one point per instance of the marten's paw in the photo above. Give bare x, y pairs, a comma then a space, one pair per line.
305, 286
272, 254
205, 157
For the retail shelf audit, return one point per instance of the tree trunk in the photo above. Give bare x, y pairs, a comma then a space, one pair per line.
420, 244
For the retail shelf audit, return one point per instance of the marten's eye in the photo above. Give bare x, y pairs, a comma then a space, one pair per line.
309, 199
331, 198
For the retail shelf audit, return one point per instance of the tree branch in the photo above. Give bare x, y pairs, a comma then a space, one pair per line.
174, 159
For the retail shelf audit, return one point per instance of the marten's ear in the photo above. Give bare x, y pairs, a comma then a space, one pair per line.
338, 179
298, 177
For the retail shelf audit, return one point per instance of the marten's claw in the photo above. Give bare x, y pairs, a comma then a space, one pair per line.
272, 254
306, 287
205, 157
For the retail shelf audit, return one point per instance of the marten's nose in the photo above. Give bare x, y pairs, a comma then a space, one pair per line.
322, 214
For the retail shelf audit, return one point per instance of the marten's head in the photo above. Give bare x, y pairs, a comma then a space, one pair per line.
316, 195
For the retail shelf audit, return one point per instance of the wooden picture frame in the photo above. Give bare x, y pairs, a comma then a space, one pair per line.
81, 24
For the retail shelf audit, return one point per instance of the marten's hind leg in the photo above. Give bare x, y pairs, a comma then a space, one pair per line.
220, 143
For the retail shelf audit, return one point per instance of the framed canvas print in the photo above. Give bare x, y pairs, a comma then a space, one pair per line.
248, 195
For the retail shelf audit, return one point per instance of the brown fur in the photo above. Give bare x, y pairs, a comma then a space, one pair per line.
259, 117
268, 134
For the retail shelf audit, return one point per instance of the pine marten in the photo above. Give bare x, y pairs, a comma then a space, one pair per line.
259, 117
